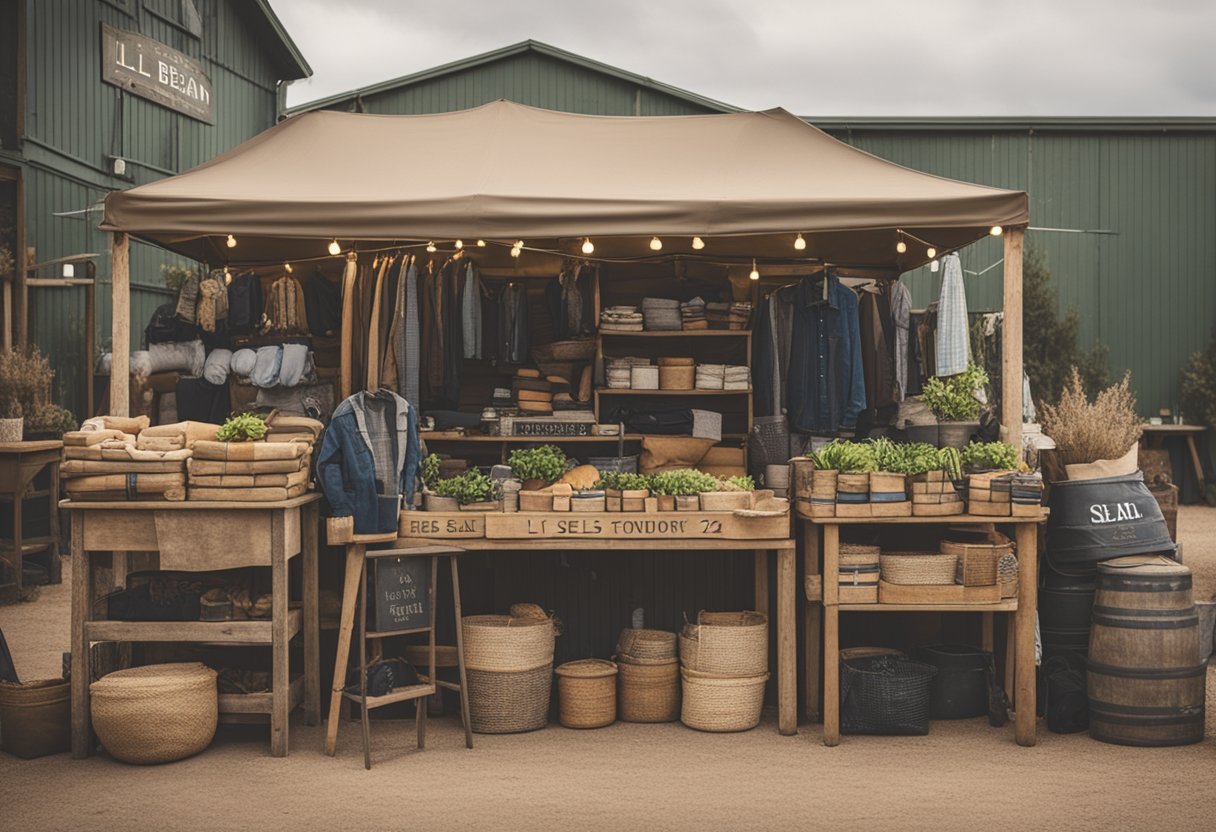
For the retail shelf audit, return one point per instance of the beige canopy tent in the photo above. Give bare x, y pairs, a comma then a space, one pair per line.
746, 183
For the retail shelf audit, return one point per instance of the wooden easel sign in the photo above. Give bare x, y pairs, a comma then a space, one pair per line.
399, 596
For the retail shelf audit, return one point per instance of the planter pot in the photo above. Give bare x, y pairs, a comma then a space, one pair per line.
11, 429
955, 434
885, 482
534, 485
921, 433
688, 503
484, 505
666, 502
433, 502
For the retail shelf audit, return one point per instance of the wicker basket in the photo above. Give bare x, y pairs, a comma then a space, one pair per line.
503, 644
509, 703
586, 693
648, 691
726, 644
721, 704
156, 714
917, 568
977, 562
857, 554
658, 645
35, 717
676, 377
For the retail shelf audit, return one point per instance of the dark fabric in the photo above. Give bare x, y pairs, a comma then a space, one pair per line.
877, 349
555, 306
166, 327
763, 361
8, 671
453, 343
663, 422
245, 303
322, 304
513, 325
916, 360
825, 388
198, 400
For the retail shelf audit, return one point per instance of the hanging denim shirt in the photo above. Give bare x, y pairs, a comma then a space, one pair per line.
825, 387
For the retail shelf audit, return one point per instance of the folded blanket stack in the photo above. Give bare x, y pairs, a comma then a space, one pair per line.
122, 458
739, 315
661, 314
265, 471
692, 315
710, 376
621, 319
736, 377
533, 393
618, 372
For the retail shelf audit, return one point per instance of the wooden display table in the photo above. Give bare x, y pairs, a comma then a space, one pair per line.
199, 537
1156, 435
822, 535
20, 463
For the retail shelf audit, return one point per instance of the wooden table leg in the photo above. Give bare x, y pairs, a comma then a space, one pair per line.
18, 543
350, 598
81, 667
54, 562
787, 646
312, 624
831, 635
812, 628
1024, 620
760, 562
464, 682
1190, 446
280, 682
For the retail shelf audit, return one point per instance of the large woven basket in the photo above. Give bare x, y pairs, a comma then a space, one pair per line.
35, 717
509, 703
156, 714
643, 644
978, 562
726, 644
586, 693
648, 692
507, 644
917, 568
721, 704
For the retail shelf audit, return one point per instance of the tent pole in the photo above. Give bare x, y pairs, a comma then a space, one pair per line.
1011, 339
120, 325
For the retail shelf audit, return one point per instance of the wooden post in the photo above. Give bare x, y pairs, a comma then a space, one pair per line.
1011, 339
1024, 624
812, 632
90, 335
120, 325
787, 645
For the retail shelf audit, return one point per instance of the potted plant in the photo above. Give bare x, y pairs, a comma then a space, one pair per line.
729, 494
244, 427
471, 491
49, 421
624, 491
537, 467
1094, 439
955, 402
432, 500
680, 490
891, 477
25, 383
851, 462
979, 457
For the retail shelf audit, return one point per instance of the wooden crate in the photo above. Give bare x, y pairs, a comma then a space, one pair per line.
709, 525
900, 509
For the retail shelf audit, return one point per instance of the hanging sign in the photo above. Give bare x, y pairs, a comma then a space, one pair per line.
151, 70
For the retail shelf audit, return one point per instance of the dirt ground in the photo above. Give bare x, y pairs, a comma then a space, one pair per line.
963, 776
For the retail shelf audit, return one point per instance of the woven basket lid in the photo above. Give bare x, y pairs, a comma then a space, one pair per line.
153, 676
586, 669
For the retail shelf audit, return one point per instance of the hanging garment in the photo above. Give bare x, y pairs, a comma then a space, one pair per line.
825, 387
322, 304
198, 400
513, 325
245, 303
368, 462
453, 347
953, 341
285, 309
900, 301
877, 355
470, 312
394, 353
409, 368
212, 303
772, 341
433, 331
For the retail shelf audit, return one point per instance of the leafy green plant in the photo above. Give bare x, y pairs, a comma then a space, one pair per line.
623, 481
684, 482
470, 487
954, 399
999, 456
736, 483
905, 458
175, 275
846, 457
546, 463
430, 470
951, 462
244, 427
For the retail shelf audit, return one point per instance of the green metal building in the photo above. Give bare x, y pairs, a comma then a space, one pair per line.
74, 127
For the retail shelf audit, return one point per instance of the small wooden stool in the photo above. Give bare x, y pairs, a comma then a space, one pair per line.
354, 598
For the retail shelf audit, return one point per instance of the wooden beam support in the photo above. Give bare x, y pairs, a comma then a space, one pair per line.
120, 325
1011, 339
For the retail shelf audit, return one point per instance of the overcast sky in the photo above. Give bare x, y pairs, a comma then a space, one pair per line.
813, 57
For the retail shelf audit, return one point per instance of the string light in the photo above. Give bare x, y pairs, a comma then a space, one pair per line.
698, 243
755, 274
227, 276
231, 241
481, 243
517, 249
656, 244
459, 244
588, 246
334, 248
800, 243
996, 231
901, 247
287, 268
932, 252
934, 266
430, 248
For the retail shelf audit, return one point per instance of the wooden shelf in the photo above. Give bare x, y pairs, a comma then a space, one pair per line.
1009, 605
211, 632
949, 520
629, 391
689, 333
402, 695
445, 436
261, 702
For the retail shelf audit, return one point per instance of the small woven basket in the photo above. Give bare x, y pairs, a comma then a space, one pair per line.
507, 644
586, 693
722, 704
156, 714
509, 703
857, 554
917, 568
726, 644
657, 645
648, 692
977, 562
676, 377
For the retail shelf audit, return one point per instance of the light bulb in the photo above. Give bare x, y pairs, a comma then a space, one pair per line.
430, 248
932, 252
588, 246
656, 244
481, 243
901, 247
459, 244
755, 274
800, 243
287, 267
514, 252
934, 266
231, 241
227, 276
334, 248
996, 231
698, 243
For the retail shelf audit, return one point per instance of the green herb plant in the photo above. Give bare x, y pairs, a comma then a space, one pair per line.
995, 456
545, 463
910, 458
430, 470
954, 399
951, 462
623, 481
245, 427
470, 487
684, 482
846, 457
736, 483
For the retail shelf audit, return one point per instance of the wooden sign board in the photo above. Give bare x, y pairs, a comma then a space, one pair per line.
399, 593
708, 525
442, 525
159, 73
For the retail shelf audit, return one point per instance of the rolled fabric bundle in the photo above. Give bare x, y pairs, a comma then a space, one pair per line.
243, 362
223, 468
125, 424
293, 365
287, 425
92, 437
215, 369
140, 363
249, 451
188, 356
181, 434
266, 367
290, 480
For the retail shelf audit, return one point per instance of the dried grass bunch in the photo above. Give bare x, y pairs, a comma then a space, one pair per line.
1087, 431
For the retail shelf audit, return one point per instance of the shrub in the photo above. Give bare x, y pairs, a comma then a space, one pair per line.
545, 463
1199, 387
1087, 431
684, 482
905, 458
736, 483
623, 481
999, 456
25, 382
470, 487
954, 399
245, 427
846, 457
51, 419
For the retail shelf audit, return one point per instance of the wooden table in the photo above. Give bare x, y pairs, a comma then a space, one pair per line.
786, 619
198, 537
821, 535
20, 463
1156, 435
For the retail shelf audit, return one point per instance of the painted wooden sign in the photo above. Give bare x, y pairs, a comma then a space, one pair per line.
159, 73
441, 525
399, 597
710, 525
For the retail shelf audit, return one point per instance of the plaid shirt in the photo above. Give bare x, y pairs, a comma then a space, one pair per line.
953, 341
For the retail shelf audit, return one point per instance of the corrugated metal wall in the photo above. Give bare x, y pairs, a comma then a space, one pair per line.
74, 122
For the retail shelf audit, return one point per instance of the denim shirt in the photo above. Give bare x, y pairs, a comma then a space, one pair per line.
825, 388
346, 467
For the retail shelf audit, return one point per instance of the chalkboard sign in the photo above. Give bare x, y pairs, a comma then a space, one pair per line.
399, 594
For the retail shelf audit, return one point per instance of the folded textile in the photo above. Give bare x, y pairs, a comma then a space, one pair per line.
249, 451
220, 468
266, 367
216, 367
93, 437
288, 480
707, 424
81, 467
127, 486
187, 433
243, 362
268, 494
124, 424
283, 424
161, 443
187, 356
119, 452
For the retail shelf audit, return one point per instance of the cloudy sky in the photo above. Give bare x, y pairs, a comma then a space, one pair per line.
813, 57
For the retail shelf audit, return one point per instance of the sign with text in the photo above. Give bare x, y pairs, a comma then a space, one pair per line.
441, 524
710, 525
152, 70
399, 597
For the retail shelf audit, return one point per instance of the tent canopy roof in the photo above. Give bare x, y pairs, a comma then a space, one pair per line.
505, 171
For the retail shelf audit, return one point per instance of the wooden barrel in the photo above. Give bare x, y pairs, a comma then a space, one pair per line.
1145, 686
1095, 520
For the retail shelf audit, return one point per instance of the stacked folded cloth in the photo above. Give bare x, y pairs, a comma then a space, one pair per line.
533, 394
661, 314
736, 377
718, 315
122, 458
711, 376
618, 372
739, 315
271, 470
692, 314
621, 319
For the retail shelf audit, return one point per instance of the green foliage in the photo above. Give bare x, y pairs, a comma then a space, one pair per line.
623, 481
1050, 347
905, 458
684, 482
25, 382
737, 483
244, 427
999, 456
175, 275
1199, 387
430, 470
470, 487
846, 457
951, 461
545, 463
953, 399
50, 418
